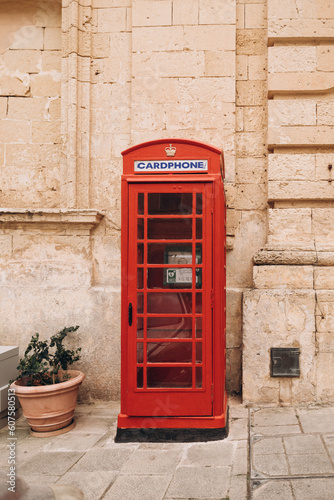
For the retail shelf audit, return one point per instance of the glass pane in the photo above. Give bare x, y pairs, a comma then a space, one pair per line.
140, 355
169, 229
198, 377
198, 303
198, 229
140, 253
171, 278
198, 326
169, 303
155, 278
199, 201
169, 352
198, 352
140, 328
169, 328
140, 229
199, 253
170, 203
140, 203
198, 278
140, 377
140, 278
170, 377
140, 303
162, 253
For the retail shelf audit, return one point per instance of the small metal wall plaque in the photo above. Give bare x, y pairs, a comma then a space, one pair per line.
284, 362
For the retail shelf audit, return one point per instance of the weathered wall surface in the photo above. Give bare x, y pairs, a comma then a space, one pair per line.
132, 70
135, 70
292, 303
30, 89
247, 191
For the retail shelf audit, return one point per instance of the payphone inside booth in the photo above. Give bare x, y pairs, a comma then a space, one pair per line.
173, 293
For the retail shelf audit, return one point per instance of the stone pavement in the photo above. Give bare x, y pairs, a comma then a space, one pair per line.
270, 453
292, 453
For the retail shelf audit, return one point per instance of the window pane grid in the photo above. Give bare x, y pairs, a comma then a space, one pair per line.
178, 375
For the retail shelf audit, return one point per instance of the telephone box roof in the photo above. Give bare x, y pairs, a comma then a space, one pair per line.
172, 141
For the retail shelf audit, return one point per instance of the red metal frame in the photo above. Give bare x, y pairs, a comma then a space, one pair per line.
186, 407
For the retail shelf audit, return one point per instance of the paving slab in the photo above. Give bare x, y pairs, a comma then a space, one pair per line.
273, 490
304, 444
28, 447
72, 441
93, 484
240, 460
329, 439
199, 482
310, 464
238, 411
218, 453
329, 443
270, 465
296, 444
274, 416
83, 409
138, 488
93, 424
151, 446
238, 488
316, 419
313, 489
102, 460
40, 479
161, 462
268, 446
238, 429
107, 410
107, 440
275, 430
45, 462
173, 446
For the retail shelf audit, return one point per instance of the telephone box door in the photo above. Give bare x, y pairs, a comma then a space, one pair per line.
169, 299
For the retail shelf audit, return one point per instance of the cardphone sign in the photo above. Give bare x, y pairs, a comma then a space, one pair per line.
184, 166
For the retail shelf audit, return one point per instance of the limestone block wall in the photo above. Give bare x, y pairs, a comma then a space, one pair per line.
130, 71
30, 91
291, 304
46, 281
247, 189
254, 77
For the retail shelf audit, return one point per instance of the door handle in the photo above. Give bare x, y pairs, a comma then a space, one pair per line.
130, 314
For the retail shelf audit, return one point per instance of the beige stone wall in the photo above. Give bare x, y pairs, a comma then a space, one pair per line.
247, 189
291, 304
47, 282
253, 77
132, 70
30, 90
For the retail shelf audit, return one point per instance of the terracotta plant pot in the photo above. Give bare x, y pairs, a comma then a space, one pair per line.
49, 408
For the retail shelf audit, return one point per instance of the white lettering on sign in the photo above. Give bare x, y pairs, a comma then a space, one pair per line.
171, 166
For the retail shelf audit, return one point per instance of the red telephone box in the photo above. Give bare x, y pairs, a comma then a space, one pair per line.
173, 293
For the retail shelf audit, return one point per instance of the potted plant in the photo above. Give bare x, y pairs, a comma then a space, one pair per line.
46, 389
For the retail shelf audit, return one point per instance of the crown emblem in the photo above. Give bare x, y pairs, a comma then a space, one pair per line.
170, 151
